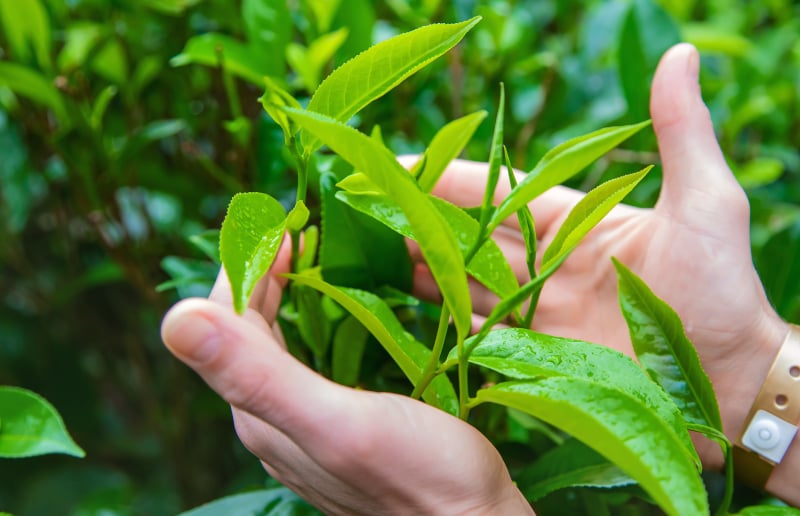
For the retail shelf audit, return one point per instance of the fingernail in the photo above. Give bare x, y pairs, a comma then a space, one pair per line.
189, 335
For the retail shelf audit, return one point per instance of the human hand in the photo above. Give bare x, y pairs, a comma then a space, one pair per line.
692, 248
345, 451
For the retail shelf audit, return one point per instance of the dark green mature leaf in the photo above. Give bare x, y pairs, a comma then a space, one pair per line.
409, 354
446, 146
349, 342
633, 75
269, 30
215, 50
617, 426
172, 7
436, 240
527, 225
356, 250
778, 265
277, 501
489, 266
768, 510
30, 426
560, 164
249, 240
28, 83
377, 70
523, 354
573, 464
589, 211
664, 350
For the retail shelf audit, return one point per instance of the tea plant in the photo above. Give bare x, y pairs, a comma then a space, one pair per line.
638, 424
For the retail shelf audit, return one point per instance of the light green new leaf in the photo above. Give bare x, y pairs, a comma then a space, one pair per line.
523, 354
436, 240
249, 240
27, 29
589, 211
495, 160
664, 350
560, 164
310, 63
446, 145
377, 70
28, 83
617, 426
273, 99
527, 225
409, 354
573, 464
489, 266
214, 50
31, 426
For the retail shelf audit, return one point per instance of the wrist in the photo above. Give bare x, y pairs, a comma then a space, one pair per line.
737, 378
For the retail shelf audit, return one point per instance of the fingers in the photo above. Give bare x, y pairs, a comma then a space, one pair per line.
245, 365
698, 185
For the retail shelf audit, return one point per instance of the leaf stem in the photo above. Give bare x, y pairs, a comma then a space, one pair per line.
430, 371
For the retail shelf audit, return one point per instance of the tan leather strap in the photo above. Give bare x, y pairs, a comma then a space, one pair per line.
771, 425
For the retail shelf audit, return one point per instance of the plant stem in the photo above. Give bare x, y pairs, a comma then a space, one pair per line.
429, 373
463, 381
726, 499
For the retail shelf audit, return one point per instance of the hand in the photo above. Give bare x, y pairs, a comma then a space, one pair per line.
693, 249
345, 451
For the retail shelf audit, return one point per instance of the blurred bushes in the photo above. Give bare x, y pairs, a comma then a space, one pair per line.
111, 157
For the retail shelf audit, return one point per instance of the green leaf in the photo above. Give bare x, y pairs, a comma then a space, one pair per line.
269, 29
436, 240
249, 240
28, 83
279, 500
190, 277
324, 12
446, 145
27, 29
409, 354
633, 75
171, 7
207, 242
523, 354
310, 245
215, 50
526, 223
314, 326
377, 70
573, 464
272, 100
349, 342
495, 160
778, 265
769, 510
589, 211
489, 266
357, 251
31, 426
664, 350
560, 164
310, 63
297, 217
617, 426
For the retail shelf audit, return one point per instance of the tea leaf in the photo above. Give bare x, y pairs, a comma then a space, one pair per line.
249, 240
489, 266
664, 350
617, 426
31, 426
377, 70
445, 147
268, 32
589, 211
215, 50
356, 250
27, 29
276, 500
560, 164
409, 354
495, 160
28, 83
572, 464
310, 63
272, 100
523, 354
526, 223
349, 342
436, 240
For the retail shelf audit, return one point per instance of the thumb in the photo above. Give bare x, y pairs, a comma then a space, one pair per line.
699, 188
244, 364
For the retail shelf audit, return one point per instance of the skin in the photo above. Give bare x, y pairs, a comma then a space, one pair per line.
355, 452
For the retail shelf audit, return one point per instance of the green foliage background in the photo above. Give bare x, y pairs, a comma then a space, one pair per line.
94, 196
